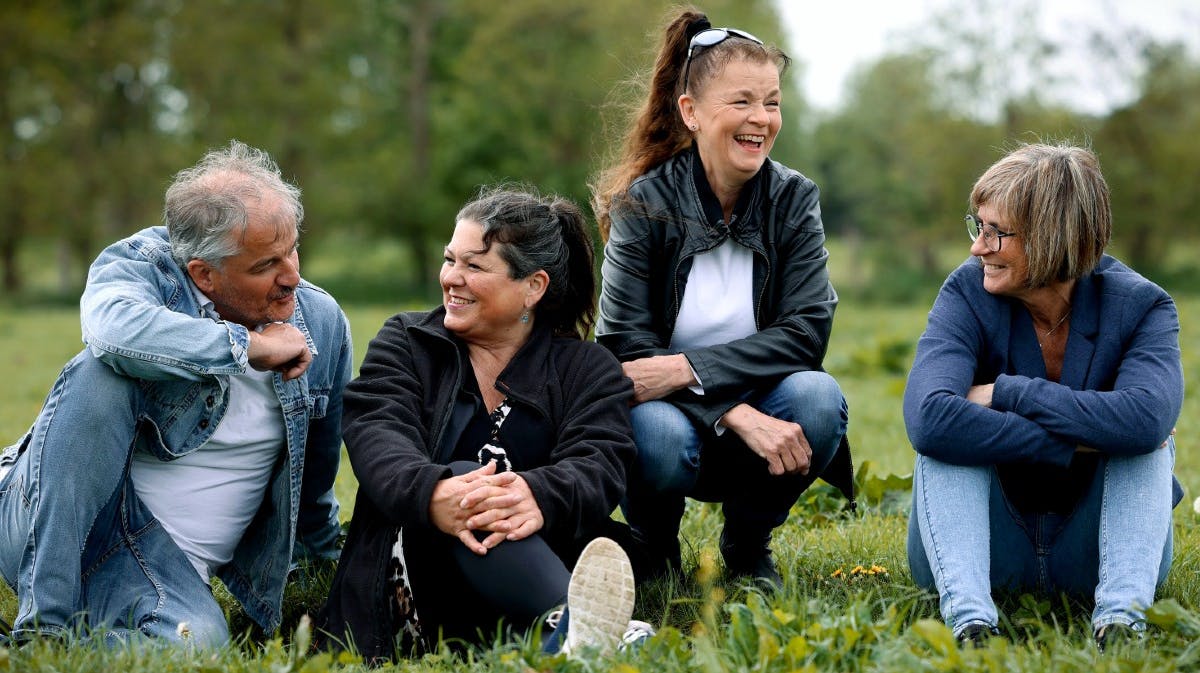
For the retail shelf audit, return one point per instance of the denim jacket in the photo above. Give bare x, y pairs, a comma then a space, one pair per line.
141, 317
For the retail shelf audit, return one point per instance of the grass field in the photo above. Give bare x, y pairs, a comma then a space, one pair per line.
848, 603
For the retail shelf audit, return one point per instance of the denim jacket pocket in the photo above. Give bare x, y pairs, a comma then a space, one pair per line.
318, 405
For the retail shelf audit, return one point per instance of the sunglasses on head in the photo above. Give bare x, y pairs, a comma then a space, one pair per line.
711, 38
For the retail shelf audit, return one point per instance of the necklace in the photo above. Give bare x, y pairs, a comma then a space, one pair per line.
1057, 324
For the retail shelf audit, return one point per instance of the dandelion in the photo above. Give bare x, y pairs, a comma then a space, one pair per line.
1196, 505
875, 570
184, 631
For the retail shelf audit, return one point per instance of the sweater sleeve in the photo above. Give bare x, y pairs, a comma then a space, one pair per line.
941, 422
385, 435
1138, 413
585, 479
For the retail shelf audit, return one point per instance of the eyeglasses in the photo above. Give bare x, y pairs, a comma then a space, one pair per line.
711, 38
992, 237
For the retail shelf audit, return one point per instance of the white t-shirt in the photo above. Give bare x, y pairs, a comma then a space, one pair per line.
717, 305
207, 498
718, 302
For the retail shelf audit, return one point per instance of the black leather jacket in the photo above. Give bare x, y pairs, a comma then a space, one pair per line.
656, 234
669, 217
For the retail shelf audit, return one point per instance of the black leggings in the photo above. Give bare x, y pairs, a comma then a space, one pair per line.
463, 595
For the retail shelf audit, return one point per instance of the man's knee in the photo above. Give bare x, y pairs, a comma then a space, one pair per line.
86, 426
90, 398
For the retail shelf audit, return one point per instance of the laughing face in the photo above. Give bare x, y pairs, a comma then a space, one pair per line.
1005, 272
483, 303
736, 117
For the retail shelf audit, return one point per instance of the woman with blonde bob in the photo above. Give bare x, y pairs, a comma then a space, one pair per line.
1041, 405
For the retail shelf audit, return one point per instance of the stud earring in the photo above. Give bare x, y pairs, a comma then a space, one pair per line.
693, 127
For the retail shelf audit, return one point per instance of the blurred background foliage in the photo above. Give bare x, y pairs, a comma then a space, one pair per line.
390, 113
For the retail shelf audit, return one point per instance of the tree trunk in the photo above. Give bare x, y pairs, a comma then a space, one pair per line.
10, 277
422, 23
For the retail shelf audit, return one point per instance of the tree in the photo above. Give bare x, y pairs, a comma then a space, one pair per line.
1150, 150
76, 120
896, 164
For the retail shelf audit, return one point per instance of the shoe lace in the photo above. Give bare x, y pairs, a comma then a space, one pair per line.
636, 632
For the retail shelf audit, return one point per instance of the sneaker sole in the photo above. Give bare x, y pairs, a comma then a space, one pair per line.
600, 597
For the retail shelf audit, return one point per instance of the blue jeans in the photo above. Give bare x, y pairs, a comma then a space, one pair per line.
965, 539
673, 462
76, 544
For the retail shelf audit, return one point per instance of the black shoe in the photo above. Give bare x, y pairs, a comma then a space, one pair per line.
749, 557
1115, 635
656, 560
760, 568
976, 635
652, 560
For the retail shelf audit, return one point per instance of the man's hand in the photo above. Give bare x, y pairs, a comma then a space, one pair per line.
657, 376
781, 443
279, 347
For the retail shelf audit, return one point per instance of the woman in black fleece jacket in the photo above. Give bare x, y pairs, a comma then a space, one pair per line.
489, 439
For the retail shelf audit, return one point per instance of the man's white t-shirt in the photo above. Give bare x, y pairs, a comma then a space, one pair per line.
208, 498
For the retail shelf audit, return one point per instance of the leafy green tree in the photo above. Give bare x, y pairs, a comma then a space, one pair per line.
896, 165
1151, 156
76, 125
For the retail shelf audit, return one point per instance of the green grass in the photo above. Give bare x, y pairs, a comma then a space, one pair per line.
829, 615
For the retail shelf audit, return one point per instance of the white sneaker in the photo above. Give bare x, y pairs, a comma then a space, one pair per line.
636, 633
599, 597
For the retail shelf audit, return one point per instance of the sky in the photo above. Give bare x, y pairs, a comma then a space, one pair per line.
829, 38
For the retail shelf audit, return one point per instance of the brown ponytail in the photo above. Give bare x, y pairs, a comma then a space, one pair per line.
657, 132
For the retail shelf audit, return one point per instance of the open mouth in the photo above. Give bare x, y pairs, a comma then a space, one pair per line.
458, 301
749, 141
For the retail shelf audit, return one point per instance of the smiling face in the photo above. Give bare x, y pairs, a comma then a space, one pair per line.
1005, 272
737, 117
483, 304
256, 285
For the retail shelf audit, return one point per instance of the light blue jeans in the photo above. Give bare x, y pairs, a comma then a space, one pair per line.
674, 462
76, 544
965, 539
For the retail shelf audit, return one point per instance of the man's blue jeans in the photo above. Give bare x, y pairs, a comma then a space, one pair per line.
965, 538
76, 544
673, 463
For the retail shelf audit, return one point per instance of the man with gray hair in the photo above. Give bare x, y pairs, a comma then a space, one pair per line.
198, 433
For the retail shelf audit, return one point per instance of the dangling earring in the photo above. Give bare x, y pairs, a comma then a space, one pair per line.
525, 317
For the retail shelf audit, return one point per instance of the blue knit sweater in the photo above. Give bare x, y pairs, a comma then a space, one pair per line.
1120, 391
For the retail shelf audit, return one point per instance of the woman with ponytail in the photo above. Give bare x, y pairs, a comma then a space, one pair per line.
490, 442
716, 299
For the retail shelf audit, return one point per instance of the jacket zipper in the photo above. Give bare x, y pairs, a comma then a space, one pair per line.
437, 443
762, 290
